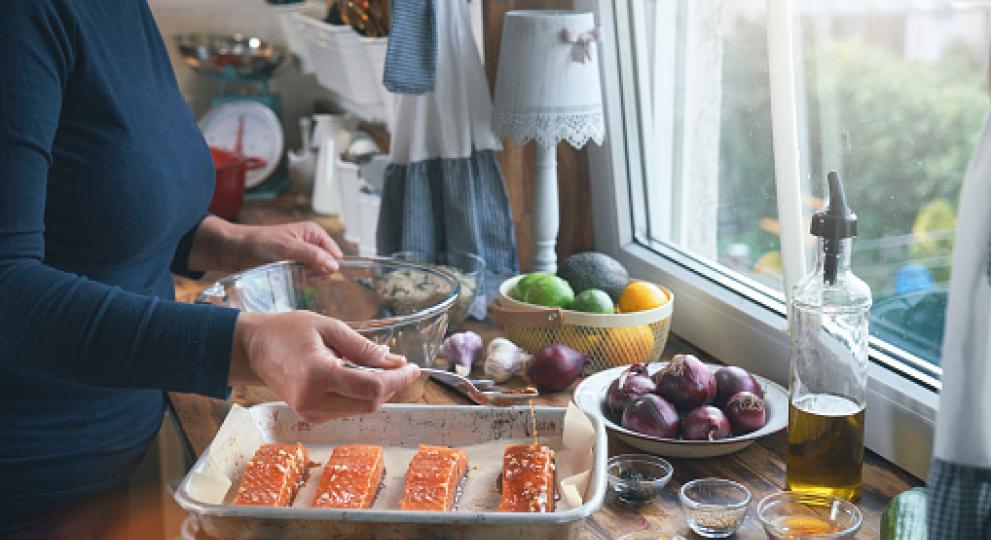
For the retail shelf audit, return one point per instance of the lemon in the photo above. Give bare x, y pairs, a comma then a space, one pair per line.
629, 345
641, 296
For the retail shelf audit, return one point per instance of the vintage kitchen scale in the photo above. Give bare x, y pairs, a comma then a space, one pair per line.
242, 67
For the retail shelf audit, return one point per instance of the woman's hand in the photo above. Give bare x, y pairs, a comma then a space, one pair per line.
300, 356
221, 245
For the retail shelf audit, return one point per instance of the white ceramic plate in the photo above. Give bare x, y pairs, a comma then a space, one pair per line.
590, 397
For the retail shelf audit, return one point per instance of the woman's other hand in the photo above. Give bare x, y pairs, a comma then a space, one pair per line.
301, 357
221, 245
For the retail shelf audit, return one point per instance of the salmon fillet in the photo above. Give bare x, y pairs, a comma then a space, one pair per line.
351, 477
527, 479
433, 477
274, 475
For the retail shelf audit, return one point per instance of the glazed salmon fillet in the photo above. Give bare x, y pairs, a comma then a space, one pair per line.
432, 478
351, 477
274, 475
527, 479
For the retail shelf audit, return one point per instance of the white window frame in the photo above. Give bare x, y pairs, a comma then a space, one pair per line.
737, 322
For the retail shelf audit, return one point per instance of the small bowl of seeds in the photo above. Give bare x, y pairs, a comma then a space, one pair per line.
714, 507
637, 479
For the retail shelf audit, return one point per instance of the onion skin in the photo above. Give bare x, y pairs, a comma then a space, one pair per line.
686, 382
556, 367
631, 383
653, 415
746, 412
732, 379
706, 423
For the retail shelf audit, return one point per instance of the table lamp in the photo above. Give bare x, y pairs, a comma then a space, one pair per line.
547, 90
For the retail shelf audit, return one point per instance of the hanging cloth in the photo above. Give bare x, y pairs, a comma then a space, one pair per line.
443, 189
959, 487
411, 57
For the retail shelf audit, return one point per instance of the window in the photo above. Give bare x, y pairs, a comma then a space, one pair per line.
890, 93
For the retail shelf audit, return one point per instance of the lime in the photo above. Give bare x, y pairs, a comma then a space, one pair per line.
549, 291
593, 301
519, 291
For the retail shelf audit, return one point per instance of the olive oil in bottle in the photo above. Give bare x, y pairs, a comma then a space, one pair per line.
825, 446
827, 319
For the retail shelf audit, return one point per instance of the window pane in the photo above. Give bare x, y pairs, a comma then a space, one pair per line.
896, 92
715, 199
892, 94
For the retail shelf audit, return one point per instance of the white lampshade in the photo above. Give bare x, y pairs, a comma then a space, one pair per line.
547, 87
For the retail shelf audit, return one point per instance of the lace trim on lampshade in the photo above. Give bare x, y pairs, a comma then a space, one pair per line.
549, 128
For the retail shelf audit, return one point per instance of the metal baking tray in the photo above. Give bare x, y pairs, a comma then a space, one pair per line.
405, 426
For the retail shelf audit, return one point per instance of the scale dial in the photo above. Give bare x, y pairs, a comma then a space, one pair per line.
262, 136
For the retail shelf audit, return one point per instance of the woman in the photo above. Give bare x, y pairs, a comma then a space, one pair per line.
104, 184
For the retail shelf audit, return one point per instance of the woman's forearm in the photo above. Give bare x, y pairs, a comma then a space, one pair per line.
212, 247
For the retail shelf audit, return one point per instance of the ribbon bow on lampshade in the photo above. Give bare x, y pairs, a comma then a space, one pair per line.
582, 49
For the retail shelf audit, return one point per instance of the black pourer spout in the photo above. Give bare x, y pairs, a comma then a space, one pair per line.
832, 224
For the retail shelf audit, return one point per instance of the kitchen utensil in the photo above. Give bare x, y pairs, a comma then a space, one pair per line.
349, 185
714, 507
590, 397
403, 426
303, 164
369, 203
261, 134
494, 395
607, 339
791, 514
402, 305
636, 479
239, 54
228, 192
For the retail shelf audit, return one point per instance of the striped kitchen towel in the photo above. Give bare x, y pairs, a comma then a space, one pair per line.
458, 204
411, 58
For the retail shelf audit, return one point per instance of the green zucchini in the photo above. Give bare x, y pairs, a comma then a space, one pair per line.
905, 516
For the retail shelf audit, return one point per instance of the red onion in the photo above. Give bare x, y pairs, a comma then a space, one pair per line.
746, 412
707, 423
686, 382
651, 414
732, 379
556, 367
630, 384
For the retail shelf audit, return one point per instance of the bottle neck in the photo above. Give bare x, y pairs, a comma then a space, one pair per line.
833, 258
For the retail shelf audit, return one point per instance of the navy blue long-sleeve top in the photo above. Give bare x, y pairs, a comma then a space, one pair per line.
104, 178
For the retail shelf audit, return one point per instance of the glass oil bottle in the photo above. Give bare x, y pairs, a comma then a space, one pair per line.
827, 319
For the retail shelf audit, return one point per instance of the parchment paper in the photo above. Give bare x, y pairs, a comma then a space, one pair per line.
240, 435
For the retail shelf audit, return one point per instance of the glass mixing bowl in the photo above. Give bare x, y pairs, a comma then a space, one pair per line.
395, 303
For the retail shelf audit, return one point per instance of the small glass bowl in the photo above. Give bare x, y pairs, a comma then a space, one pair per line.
467, 268
714, 507
637, 479
785, 514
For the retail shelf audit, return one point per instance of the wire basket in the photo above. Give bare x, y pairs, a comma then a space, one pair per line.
609, 340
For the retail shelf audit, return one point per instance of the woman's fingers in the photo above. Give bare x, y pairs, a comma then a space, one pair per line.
312, 255
351, 345
376, 386
315, 234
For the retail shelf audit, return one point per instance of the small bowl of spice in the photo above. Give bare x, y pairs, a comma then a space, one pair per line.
799, 515
714, 507
637, 479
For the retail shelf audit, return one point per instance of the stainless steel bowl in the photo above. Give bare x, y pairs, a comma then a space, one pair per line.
399, 304
226, 56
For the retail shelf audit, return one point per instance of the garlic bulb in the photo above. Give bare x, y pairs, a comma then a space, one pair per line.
504, 359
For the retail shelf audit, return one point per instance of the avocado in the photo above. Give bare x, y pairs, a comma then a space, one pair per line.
593, 270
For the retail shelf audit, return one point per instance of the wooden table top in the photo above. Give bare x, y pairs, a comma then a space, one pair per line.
760, 467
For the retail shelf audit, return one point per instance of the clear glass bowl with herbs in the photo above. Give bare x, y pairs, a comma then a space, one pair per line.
467, 268
637, 479
714, 507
